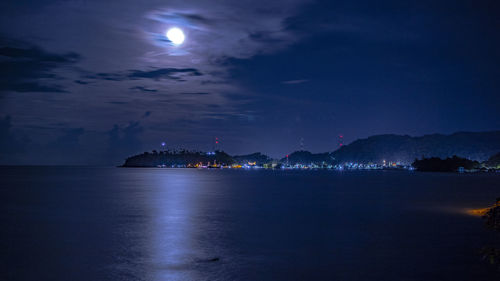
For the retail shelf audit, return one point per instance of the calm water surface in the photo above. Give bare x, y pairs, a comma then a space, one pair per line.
69, 223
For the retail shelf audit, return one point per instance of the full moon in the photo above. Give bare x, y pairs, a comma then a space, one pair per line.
176, 35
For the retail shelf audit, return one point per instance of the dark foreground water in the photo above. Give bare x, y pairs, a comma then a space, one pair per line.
67, 223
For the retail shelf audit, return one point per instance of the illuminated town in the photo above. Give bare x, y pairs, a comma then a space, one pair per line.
344, 158
298, 166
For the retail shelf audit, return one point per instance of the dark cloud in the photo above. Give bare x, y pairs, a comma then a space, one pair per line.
156, 74
107, 76
195, 18
27, 68
379, 67
24, 86
143, 89
10, 144
15, 147
164, 73
196, 94
67, 144
124, 140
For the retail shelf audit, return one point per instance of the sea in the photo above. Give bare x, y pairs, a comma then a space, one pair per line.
107, 223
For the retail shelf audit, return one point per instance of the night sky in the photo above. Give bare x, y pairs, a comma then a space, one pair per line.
92, 82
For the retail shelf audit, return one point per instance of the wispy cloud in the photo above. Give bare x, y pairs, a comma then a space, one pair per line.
196, 93
143, 89
25, 67
298, 81
155, 74
122, 54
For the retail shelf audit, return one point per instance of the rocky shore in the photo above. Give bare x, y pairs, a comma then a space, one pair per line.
492, 221
492, 216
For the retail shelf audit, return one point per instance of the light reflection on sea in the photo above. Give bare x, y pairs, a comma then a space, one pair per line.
63, 223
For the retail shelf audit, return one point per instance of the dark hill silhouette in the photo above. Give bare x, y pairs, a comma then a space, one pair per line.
477, 146
493, 161
257, 157
306, 157
175, 158
375, 149
452, 164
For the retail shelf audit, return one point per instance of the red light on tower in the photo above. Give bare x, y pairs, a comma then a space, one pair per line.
341, 141
216, 143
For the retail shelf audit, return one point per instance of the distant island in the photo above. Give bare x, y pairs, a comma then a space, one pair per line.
466, 151
455, 163
451, 164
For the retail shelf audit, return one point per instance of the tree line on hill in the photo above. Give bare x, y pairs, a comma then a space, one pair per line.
405, 149
185, 158
455, 163
475, 146
191, 158
451, 164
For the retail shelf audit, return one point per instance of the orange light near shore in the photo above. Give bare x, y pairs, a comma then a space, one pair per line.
478, 212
